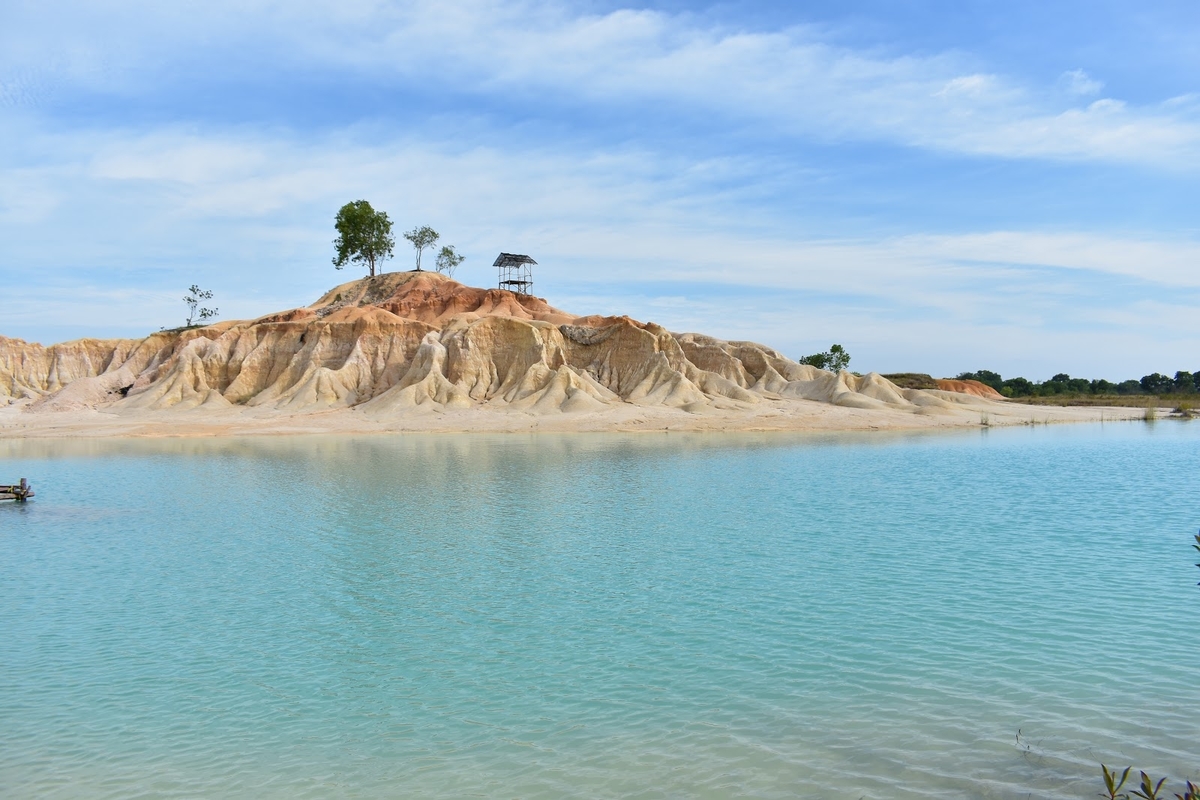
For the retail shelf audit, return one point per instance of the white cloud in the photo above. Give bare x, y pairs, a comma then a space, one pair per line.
1078, 82
787, 80
623, 205
619, 231
969, 85
192, 160
22, 87
1166, 263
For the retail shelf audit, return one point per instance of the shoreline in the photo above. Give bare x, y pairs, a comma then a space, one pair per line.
782, 416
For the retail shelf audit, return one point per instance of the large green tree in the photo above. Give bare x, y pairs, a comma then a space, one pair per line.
364, 236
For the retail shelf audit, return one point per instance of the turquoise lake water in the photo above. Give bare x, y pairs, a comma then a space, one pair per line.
601, 615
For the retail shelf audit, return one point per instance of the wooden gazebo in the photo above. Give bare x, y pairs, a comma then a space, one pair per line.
515, 274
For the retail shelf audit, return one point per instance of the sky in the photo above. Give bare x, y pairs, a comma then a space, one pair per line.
939, 186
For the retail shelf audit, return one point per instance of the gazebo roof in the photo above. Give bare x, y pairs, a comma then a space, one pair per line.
512, 260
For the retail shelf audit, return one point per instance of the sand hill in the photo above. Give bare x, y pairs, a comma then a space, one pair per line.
969, 387
402, 345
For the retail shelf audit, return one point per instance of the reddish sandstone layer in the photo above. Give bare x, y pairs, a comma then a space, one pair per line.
969, 387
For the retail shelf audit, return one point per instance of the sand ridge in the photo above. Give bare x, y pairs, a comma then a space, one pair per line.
976, 388
419, 351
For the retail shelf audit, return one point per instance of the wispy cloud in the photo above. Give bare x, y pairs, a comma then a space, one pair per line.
1076, 81
238, 212
182, 174
787, 81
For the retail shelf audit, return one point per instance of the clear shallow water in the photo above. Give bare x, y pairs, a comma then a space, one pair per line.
601, 616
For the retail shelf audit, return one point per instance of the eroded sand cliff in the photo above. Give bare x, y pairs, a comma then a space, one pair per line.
403, 345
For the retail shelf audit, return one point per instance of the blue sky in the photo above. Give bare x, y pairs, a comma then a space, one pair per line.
938, 186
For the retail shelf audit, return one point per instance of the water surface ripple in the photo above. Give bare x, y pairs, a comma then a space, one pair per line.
601, 616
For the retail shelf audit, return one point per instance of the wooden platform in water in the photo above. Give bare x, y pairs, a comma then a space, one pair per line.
17, 491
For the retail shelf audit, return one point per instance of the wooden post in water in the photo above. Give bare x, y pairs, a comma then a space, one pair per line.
20, 492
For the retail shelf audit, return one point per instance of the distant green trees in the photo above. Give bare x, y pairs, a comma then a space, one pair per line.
835, 359
1157, 383
1063, 384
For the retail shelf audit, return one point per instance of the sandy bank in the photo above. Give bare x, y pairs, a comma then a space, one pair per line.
777, 416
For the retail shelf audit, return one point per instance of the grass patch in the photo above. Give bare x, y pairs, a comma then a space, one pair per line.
1118, 400
912, 380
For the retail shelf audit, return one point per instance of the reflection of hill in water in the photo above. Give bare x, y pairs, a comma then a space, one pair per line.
479, 449
453, 616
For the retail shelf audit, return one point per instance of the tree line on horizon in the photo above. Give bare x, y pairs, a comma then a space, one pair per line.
1063, 384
